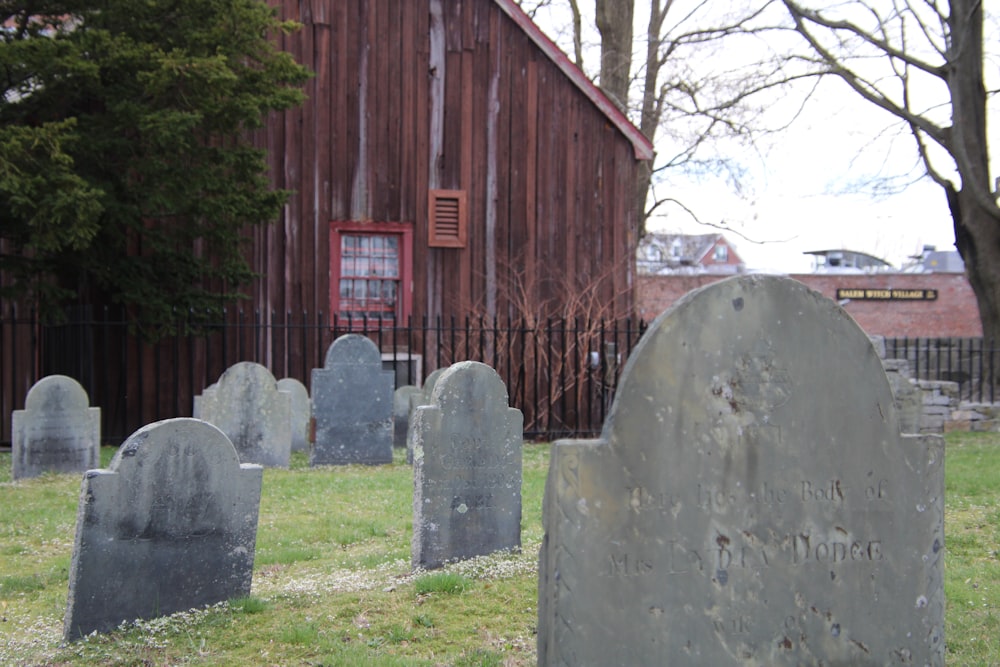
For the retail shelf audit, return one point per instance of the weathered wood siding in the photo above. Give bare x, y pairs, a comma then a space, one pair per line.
410, 95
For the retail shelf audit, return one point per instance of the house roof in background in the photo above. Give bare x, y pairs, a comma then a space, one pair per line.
839, 258
683, 248
641, 145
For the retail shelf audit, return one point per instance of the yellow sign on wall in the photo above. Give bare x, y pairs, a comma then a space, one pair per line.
879, 294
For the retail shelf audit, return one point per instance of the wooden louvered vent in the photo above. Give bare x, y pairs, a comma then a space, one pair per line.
448, 219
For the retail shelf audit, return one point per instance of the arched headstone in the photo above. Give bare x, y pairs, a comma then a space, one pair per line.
246, 404
750, 501
57, 431
170, 525
352, 405
466, 468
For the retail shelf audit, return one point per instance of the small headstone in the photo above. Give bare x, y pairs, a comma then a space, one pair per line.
169, 526
467, 468
246, 405
352, 405
401, 413
301, 412
423, 397
57, 431
750, 501
206, 401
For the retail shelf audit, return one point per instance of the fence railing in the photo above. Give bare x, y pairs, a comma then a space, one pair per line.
562, 374
970, 362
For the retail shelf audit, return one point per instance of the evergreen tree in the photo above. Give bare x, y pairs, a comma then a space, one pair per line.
127, 173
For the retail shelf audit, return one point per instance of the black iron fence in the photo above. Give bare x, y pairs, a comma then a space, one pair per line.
970, 362
561, 374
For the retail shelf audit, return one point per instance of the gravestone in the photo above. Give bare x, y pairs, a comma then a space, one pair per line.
246, 405
401, 413
169, 526
57, 431
352, 405
205, 402
749, 502
423, 397
301, 412
466, 468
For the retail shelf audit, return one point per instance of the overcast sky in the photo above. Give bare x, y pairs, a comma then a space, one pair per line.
806, 194
802, 192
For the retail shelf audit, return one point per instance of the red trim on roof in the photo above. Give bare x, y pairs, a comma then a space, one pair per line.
640, 144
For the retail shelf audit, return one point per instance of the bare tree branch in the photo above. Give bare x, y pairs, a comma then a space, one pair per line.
801, 14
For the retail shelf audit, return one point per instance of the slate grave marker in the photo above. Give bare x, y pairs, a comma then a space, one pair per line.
170, 525
352, 405
57, 431
466, 468
401, 399
301, 412
246, 404
749, 502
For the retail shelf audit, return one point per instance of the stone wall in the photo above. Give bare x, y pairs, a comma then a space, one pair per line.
933, 406
939, 400
974, 417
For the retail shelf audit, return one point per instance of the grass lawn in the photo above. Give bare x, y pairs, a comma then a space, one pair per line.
333, 584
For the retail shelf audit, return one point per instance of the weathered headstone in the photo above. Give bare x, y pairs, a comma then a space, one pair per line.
246, 405
352, 405
466, 468
423, 397
206, 401
169, 526
301, 412
750, 501
57, 431
401, 413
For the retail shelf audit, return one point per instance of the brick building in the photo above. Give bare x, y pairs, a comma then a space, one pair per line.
886, 304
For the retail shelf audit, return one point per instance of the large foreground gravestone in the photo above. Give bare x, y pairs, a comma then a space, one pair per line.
467, 468
352, 405
750, 501
57, 431
169, 526
248, 407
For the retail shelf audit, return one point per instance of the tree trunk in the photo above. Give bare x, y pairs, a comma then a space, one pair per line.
614, 21
974, 211
977, 238
651, 110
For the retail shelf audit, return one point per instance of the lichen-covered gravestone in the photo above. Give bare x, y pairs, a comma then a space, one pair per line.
352, 405
169, 526
750, 501
247, 405
466, 468
57, 431
301, 412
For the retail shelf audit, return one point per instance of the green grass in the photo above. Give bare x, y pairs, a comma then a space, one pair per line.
441, 582
972, 561
333, 583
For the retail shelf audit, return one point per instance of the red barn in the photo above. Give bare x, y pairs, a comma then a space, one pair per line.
448, 154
